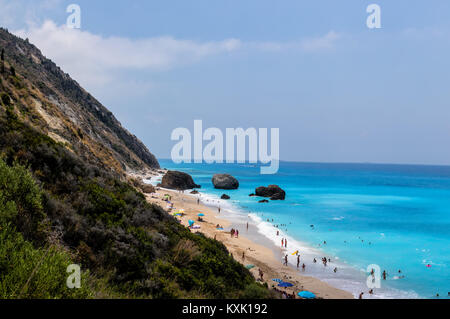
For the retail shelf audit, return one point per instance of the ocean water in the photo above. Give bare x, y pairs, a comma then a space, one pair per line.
393, 216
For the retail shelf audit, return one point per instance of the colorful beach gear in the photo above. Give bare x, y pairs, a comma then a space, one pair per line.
277, 280
285, 284
306, 294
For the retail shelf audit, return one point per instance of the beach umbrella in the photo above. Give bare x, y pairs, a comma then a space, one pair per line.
306, 294
277, 280
250, 266
191, 222
201, 215
285, 284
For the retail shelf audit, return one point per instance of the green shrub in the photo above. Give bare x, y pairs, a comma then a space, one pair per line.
26, 272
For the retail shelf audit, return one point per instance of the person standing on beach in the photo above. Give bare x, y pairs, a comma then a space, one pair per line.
286, 260
198, 201
303, 267
237, 233
298, 261
361, 295
285, 243
247, 225
384, 274
282, 242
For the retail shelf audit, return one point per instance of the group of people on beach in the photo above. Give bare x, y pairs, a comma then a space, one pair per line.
234, 233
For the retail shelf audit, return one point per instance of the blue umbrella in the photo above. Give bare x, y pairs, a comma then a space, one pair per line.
285, 284
191, 222
201, 215
306, 294
277, 280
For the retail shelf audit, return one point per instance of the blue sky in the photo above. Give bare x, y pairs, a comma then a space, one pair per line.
338, 91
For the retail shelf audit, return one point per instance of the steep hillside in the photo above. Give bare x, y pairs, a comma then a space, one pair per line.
63, 201
48, 99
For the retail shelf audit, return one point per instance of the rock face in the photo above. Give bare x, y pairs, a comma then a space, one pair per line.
60, 108
148, 189
225, 181
225, 196
272, 191
178, 180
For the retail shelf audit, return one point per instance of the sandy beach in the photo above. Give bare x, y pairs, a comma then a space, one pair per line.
264, 257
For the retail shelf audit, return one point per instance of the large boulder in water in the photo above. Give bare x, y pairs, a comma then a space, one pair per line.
177, 180
272, 191
225, 181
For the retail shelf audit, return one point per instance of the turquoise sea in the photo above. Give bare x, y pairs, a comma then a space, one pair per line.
394, 216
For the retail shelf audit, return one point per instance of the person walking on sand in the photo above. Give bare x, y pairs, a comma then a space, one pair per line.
198, 201
282, 242
243, 255
303, 267
237, 233
218, 209
232, 232
286, 260
298, 261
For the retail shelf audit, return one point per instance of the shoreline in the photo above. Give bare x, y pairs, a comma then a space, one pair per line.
258, 250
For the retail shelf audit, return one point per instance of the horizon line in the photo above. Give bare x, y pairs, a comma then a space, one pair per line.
318, 162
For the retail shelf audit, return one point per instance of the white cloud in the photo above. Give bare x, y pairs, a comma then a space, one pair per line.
93, 58
16, 13
321, 43
97, 62
315, 44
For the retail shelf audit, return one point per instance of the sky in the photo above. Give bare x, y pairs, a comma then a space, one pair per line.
337, 90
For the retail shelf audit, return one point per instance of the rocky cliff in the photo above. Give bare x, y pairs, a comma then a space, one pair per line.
45, 97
